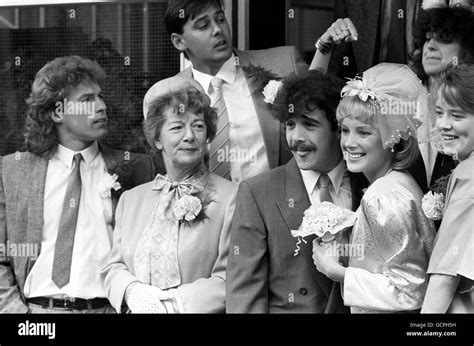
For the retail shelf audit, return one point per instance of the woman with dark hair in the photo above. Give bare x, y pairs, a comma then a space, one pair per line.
443, 38
451, 285
171, 239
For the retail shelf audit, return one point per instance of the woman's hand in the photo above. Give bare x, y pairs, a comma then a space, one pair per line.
144, 299
342, 30
327, 262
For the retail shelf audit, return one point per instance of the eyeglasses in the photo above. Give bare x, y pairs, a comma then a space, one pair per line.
442, 37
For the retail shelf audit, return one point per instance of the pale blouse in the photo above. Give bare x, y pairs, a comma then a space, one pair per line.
452, 254
396, 238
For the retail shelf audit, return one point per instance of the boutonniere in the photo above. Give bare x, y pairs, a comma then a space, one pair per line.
193, 207
108, 183
432, 202
124, 171
190, 199
187, 208
271, 90
324, 220
263, 81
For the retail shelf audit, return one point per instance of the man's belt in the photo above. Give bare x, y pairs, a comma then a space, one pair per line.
69, 303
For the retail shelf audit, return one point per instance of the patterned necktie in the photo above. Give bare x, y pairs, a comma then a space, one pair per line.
67, 227
218, 164
324, 182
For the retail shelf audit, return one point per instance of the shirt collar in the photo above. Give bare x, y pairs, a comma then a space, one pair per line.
227, 72
66, 155
310, 178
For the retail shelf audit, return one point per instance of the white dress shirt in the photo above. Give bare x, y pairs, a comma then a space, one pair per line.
246, 153
339, 189
93, 238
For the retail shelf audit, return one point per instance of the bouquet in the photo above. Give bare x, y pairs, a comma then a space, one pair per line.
325, 220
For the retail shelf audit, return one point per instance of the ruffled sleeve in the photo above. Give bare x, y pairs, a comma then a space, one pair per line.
397, 240
453, 253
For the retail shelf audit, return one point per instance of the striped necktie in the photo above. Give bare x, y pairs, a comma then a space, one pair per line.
67, 227
218, 161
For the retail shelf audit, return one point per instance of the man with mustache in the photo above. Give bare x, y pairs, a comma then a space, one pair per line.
263, 273
200, 30
60, 195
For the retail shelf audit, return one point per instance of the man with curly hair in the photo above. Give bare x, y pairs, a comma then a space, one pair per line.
58, 199
249, 141
263, 273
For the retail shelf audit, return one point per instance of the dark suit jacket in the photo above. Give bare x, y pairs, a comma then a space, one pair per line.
281, 61
22, 182
263, 275
364, 53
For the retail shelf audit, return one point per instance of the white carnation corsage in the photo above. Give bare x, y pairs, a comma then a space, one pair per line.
433, 205
270, 91
187, 207
325, 220
108, 183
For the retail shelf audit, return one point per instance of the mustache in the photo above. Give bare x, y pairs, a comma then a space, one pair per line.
301, 146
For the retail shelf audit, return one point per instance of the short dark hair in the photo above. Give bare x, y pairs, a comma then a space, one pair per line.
192, 99
456, 22
305, 92
179, 12
51, 84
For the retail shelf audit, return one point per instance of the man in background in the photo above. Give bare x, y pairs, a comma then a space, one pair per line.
249, 141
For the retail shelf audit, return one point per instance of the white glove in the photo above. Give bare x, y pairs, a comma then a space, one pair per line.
145, 299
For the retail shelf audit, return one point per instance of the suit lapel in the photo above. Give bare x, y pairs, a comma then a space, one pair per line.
268, 125
36, 172
113, 159
296, 200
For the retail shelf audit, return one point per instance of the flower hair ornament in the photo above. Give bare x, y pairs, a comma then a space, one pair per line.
396, 97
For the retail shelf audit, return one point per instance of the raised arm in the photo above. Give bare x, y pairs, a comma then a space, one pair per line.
341, 31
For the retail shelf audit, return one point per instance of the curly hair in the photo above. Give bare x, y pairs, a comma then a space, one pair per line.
305, 92
193, 101
405, 152
455, 22
52, 84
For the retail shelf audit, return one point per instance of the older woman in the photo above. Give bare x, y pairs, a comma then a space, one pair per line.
172, 235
